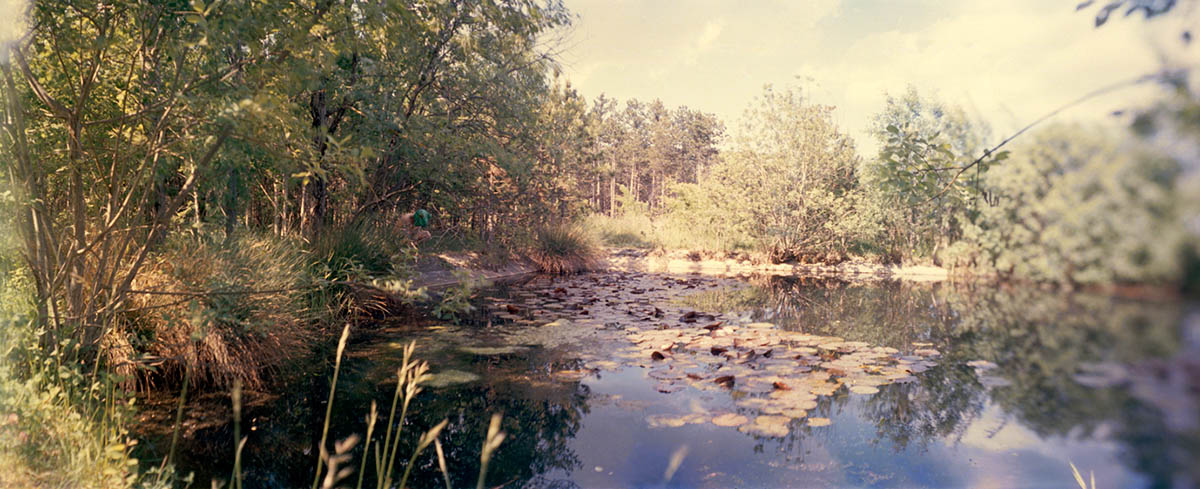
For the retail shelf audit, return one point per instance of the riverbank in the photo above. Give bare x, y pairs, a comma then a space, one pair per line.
446, 269
640, 260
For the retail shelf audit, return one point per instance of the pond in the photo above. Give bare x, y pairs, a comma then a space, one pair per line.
645, 380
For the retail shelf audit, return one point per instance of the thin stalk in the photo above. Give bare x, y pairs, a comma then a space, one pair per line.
237, 434
429, 437
387, 439
391, 458
401, 376
437, 445
490, 444
362, 469
187, 374
337, 366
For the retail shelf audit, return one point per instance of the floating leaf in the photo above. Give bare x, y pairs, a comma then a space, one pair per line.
863, 389
818, 422
730, 419
448, 378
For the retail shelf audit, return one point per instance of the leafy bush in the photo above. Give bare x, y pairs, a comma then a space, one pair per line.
563, 249
789, 183
1080, 205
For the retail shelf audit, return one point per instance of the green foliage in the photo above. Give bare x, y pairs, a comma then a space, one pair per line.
61, 425
1081, 205
789, 183
455, 302
919, 192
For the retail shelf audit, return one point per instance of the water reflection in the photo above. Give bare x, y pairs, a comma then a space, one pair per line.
1026, 381
1072, 366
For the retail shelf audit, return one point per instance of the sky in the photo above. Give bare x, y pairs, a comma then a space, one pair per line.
1005, 62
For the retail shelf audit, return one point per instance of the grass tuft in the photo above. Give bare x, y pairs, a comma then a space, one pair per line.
221, 311
563, 250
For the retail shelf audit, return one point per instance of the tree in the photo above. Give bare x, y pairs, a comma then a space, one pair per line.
915, 186
1084, 206
789, 181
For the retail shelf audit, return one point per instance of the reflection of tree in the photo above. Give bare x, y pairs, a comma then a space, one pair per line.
941, 405
1040, 341
541, 416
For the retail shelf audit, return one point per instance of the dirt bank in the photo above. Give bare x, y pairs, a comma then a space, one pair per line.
683, 262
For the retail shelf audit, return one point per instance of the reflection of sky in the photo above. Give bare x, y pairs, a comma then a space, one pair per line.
991, 452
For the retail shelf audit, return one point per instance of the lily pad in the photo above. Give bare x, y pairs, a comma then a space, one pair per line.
818, 422
863, 389
730, 419
770, 430
448, 378
491, 350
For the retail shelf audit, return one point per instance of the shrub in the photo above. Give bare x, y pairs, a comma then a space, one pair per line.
361, 269
1083, 206
218, 311
788, 183
564, 249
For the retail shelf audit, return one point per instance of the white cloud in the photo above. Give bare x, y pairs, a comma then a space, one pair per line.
1008, 62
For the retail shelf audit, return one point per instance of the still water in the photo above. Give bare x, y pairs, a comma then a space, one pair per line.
961, 387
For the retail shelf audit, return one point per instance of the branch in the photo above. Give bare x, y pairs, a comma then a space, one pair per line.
1088, 96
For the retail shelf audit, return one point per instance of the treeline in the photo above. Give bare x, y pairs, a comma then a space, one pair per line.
1065, 204
127, 122
646, 148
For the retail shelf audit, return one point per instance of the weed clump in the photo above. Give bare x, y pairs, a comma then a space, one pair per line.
218, 310
564, 250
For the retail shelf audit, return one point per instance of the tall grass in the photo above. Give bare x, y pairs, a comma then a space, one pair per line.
563, 249
409, 377
364, 252
218, 311
668, 232
61, 425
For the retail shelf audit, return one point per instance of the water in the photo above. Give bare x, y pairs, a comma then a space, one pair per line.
1108, 384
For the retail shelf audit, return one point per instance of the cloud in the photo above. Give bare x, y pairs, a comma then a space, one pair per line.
1006, 62
708, 35
712, 30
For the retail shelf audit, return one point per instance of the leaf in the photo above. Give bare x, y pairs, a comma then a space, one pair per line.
893, 129
730, 419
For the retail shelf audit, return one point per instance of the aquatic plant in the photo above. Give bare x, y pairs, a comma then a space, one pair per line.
456, 301
409, 379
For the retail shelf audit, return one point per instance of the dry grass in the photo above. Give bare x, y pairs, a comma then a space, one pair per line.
241, 314
564, 249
